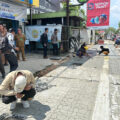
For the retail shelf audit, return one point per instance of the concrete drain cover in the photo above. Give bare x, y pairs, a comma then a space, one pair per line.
6, 116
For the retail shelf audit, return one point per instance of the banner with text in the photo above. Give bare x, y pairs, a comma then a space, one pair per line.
13, 12
98, 12
33, 33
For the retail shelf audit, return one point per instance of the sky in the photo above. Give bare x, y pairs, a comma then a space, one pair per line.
114, 12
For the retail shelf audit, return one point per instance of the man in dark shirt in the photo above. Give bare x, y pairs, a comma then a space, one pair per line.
104, 50
44, 41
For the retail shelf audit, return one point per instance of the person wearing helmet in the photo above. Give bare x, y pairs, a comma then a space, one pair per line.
18, 85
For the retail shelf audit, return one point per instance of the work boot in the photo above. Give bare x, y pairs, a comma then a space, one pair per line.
13, 105
25, 104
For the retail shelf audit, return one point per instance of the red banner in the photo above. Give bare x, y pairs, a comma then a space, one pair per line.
98, 12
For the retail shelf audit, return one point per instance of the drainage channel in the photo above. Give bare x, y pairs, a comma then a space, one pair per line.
41, 86
50, 68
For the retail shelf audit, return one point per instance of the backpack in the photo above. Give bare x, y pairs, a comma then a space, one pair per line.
42, 39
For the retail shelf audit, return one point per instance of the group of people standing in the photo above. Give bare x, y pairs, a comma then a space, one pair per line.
11, 45
54, 40
18, 84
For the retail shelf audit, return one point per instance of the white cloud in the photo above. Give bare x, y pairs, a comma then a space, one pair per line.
114, 13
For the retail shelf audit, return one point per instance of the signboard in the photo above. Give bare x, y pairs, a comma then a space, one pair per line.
33, 33
13, 12
98, 12
36, 3
32, 2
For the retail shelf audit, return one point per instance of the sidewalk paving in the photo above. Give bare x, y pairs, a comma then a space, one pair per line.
71, 92
34, 63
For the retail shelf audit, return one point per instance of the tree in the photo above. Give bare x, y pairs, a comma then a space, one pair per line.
119, 25
76, 8
111, 30
83, 11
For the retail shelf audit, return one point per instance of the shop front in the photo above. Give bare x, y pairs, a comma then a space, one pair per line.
13, 14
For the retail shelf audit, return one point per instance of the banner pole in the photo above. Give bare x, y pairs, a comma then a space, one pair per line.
30, 14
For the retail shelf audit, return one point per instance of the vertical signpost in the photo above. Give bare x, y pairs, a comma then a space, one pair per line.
30, 3
98, 12
67, 13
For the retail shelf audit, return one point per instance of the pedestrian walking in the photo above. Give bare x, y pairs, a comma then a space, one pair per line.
20, 43
11, 38
55, 42
6, 49
44, 41
4, 60
2, 70
18, 85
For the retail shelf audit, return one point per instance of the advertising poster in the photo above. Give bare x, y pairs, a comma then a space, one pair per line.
33, 33
98, 12
13, 12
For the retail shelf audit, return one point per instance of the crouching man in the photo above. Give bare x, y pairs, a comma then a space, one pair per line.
18, 85
105, 51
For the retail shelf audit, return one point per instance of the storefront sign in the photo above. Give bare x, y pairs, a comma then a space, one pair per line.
32, 2
33, 33
98, 12
13, 12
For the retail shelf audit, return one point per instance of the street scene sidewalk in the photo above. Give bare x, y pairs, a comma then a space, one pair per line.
34, 63
80, 89
59, 60
70, 91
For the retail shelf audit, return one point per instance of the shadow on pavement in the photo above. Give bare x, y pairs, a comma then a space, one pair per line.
36, 111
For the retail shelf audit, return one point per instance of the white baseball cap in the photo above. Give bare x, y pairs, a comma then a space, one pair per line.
20, 83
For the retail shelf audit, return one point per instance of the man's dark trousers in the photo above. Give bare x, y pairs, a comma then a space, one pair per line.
2, 70
55, 49
44, 51
27, 94
12, 59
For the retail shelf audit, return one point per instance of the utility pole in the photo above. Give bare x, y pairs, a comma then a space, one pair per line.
67, 20
30, 14
67, 12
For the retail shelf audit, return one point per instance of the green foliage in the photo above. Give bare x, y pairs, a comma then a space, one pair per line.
76, 8
119, 24
97, 33
83, 24
110, 30
82, 11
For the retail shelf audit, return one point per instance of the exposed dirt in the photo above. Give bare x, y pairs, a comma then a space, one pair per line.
51, 67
